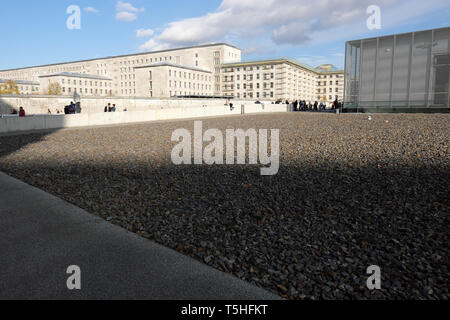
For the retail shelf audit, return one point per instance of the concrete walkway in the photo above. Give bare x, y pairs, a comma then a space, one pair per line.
41, 236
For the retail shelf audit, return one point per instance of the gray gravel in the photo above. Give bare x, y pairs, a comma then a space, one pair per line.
350, 193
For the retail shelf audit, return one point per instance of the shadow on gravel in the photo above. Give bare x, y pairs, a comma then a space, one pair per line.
12, 142
309, 232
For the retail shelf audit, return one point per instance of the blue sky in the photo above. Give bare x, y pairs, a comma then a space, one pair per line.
312, 32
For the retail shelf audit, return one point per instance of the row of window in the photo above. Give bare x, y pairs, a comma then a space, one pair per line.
147, 60
173, 84
86, 83
250, 77
324, 83
250, 95
124, 77
87, 91
128, 91
187, 75
331, 76
185, 93
249, 68
325, 90
266, 85
330, 98
28, 88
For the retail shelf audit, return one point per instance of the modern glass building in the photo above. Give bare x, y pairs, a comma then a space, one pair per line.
399, 73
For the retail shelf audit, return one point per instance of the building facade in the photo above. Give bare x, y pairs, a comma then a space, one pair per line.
200, 71
83, 84
165, 80
24, 87
403, 72
123, 69
282, 79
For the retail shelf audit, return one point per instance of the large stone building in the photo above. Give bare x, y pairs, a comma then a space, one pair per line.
24, 87
199, 71
282, 79
163, 79
83, 84
123, 69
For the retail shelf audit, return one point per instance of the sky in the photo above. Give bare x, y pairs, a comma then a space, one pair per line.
310, 32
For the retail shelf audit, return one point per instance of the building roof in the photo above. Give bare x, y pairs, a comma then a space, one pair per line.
127, 55
397, 34
283, 60
173, 65
76, 75
22, 82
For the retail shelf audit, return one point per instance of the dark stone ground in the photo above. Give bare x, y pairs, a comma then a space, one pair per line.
350, 193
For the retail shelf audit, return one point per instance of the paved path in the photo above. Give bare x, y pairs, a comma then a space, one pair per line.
41, 236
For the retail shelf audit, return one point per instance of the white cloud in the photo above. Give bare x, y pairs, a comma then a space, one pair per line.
126, 16
283, 22
91, 9
312, 60
128, 7
258, 50
126, 11
142, 33
152, 45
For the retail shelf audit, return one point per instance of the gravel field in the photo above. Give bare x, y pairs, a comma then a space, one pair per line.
350, 193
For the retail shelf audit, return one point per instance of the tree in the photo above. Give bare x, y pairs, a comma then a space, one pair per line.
54, 89
10, 87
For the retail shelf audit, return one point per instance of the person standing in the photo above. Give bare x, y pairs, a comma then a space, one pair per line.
22, 113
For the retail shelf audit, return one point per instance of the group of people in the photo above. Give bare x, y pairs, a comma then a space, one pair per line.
70, 109
110, 108
303, 106
21, 112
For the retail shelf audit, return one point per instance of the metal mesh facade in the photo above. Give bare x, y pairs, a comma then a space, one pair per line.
399, 73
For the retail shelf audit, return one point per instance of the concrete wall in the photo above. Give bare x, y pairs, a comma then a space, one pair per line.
41, 104
44, 122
